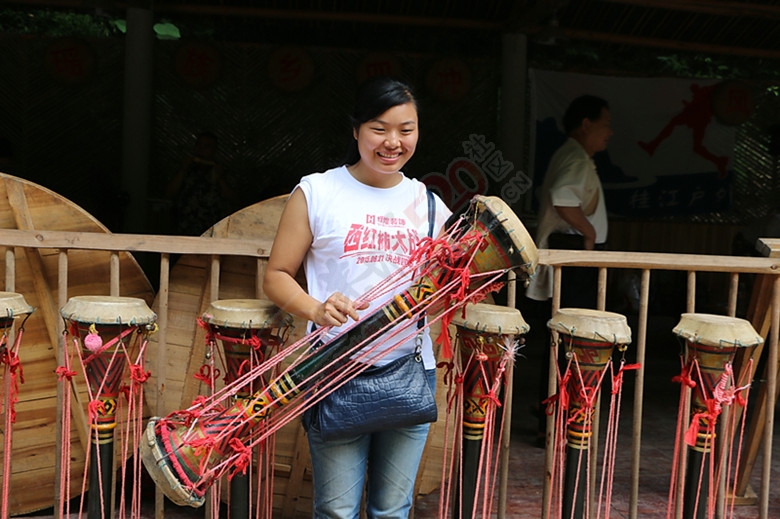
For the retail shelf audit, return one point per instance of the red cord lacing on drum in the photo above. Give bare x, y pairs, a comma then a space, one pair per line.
16, 373
487, 469
9, 357
611, 438
129, 416
206, 375
244, 457
726, 392
559, 404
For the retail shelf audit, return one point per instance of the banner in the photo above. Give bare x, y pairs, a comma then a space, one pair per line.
669, 155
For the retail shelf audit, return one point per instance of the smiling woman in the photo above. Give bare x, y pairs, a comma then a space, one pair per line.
350, 227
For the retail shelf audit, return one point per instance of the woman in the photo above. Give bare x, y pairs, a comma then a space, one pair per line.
350, 227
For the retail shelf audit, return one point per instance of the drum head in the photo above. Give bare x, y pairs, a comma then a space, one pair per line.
108, 310
13, 304
494, 319
253, 314
717, 330
521, 241
586, 323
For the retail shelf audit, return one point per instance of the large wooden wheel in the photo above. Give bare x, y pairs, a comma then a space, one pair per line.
27, 206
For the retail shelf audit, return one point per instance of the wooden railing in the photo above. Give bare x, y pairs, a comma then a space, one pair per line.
764, 310
763, 313
63, 243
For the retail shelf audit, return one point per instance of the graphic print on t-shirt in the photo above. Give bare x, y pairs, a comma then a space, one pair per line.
380, 239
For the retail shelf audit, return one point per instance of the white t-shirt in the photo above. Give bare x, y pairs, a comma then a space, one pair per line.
361, 234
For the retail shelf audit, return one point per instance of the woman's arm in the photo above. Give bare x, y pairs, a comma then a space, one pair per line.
292, 242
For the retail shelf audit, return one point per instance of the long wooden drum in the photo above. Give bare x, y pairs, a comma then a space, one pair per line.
487, 336
250, 330
185, 352
111, 332
588, 338
28, 206
711, 342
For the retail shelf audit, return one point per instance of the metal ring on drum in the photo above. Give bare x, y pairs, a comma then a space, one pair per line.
487, 335
711, 341
12, 306
588, 338
488, 237
102, 325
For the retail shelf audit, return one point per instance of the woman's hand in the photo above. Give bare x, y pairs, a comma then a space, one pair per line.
336, 310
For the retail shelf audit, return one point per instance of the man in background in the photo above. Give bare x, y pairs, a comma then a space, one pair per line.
573, 213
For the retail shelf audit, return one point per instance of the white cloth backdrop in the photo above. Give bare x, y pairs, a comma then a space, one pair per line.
669, 154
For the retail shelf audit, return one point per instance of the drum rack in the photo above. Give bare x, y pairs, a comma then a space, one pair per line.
764, 314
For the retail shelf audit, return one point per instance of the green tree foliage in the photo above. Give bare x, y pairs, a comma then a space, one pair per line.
51, 23
58, 24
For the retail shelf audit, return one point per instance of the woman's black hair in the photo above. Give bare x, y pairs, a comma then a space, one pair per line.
375, 97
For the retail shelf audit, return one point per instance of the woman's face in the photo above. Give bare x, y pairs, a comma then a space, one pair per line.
388, 142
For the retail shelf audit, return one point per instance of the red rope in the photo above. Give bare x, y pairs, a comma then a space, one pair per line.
65, 373
205, 373
244, 457
95, 407
13, 364
138, 375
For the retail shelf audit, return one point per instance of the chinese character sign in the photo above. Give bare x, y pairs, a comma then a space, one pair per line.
669, 154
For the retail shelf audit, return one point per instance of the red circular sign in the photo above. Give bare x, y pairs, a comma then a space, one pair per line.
732, 102
291, 69
70, 61
376, 65
449, 79
197, 64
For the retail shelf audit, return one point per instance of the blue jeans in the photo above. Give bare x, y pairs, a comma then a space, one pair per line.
388, 460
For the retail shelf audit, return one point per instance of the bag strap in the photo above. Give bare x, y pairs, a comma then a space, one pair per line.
431, 212
431, 224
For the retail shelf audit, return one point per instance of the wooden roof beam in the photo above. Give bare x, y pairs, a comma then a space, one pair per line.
671, 44
720, 8
283, 14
